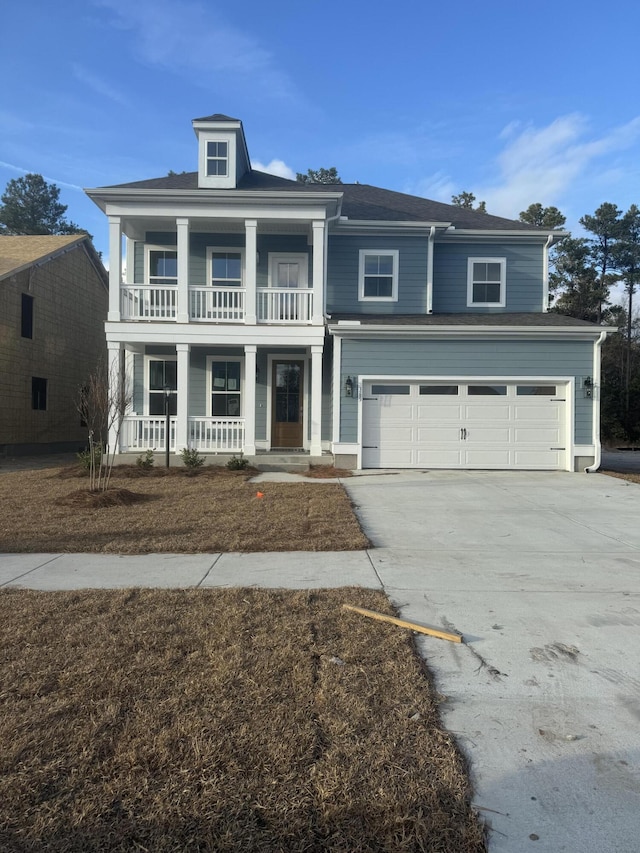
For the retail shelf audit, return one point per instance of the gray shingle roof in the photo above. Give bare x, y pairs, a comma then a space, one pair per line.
216, 117
547, 320
360, 201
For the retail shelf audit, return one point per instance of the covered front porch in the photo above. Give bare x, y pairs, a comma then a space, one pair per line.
220, 399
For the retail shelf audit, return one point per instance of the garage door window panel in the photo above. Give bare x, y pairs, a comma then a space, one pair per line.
395, 390
486, 282
439, 390
487, 391
536, 391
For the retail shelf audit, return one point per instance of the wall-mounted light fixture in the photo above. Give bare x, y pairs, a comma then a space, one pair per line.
587, 384
258, 259
348, 387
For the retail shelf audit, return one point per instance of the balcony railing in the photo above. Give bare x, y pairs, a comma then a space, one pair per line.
284, 305
142, 432
217, 304
148, 302
216, 435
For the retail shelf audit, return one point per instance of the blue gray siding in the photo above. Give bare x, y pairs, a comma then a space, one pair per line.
468, 358
342, 275
524, 276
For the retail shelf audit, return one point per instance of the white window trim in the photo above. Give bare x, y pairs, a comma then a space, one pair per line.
208, 157
237, 250
503, 282
301, 258
209, 361
147, 261
395, 254
147, 380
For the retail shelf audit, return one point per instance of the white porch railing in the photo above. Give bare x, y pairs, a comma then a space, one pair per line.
284, 305
216, 434
148, 302
142, 432
217, 304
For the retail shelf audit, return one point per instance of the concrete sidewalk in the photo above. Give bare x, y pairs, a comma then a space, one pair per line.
541, 574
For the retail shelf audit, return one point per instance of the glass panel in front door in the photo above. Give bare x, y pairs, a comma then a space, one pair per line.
287, 393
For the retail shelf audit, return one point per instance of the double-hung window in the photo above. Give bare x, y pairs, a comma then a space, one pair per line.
225, 267
162, 374
217, 158
486, 282
162, 266
378, 275
226, 377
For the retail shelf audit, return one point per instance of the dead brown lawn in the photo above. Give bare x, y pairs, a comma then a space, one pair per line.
220, 720
632, 478
171, 512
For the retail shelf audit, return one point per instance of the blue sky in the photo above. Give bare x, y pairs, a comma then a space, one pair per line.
515, 102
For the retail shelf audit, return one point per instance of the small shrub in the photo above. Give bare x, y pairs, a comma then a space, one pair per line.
146, 461
237, 463
191, 458
84, 457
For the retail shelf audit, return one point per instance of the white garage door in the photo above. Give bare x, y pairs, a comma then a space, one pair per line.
463, 425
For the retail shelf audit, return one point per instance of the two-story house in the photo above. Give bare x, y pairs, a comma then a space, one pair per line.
385, 329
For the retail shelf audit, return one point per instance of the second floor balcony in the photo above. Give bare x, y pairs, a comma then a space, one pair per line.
153, 302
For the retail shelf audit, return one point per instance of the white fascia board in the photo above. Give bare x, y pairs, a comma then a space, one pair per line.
353, 227
205, 335
463, 332
215, 209
458, 234
179, 198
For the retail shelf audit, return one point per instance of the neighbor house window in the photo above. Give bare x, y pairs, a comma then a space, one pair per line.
162, 374
38, 394
27, 316
163, 266
486, 280
378, 275
225, 267
217, 158
225, 388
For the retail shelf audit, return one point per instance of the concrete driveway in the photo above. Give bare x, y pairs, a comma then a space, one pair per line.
541, 574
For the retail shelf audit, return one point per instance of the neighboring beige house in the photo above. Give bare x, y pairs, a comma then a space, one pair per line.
53, 305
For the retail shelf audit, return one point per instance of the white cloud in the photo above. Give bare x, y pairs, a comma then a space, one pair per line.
542, 164
438, 187
100, 86
275, 167
192, 37
49, 180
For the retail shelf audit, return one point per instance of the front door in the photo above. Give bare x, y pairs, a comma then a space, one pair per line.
286, 426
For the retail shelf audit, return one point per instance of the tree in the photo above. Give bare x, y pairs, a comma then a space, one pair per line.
543, 217
604, 224
319, 176
625, 256
466, 200
30, 205
102, 403
574, 281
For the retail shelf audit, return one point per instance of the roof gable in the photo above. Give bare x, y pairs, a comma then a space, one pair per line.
20, 253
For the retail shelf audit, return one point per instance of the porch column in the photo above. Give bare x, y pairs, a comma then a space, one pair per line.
115, 268
317, 316
250, 351
182, 229
315, 448
251, 244
182, 407
116, 394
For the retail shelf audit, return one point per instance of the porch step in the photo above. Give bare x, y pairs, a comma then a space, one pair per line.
295, 463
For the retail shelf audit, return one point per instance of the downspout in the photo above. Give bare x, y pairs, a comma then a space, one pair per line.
432, 234
591, 469
545, 274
